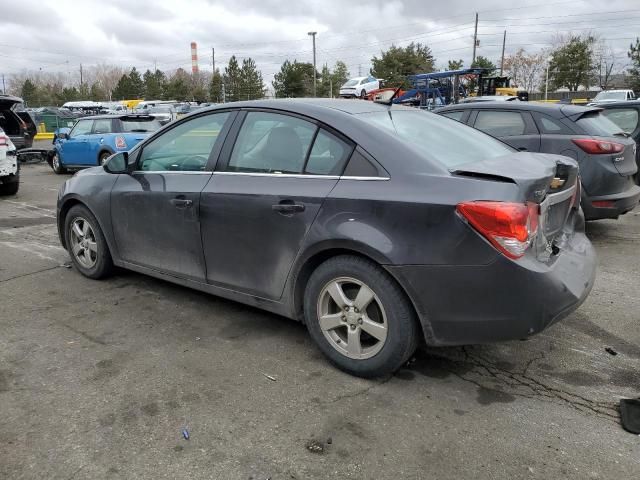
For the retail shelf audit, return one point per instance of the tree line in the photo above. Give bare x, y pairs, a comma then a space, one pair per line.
576, 61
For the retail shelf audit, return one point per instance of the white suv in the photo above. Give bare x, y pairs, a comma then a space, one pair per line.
9, 167
359, 87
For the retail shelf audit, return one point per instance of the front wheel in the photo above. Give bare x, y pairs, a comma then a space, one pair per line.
86, 243
359, 317
10, 188
56, 166
363, 94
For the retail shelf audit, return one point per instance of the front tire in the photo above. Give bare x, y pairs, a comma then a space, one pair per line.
10, 188
363, 94
56, 166
359, 317
86, 243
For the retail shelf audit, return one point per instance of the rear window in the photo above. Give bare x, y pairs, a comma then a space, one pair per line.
625, 118
447, 141
140, 125
594, 123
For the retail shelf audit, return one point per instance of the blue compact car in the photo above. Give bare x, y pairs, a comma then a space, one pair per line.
94, 139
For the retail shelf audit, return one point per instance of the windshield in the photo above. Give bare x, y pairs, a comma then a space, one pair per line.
352, 82
611, 96
594, 123
440, 138
160, 110
140, 125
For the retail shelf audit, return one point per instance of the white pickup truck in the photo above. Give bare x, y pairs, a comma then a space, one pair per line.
9, 166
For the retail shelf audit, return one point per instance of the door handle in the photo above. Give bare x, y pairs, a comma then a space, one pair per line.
523, 149
181, 202
287, 207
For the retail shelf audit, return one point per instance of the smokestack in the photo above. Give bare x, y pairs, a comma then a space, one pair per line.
194, 57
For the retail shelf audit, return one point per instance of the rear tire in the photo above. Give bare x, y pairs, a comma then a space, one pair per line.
102, 159
384, 330
56, 166
363, 94
86, 243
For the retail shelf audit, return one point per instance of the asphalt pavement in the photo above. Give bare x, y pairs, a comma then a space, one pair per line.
98, 379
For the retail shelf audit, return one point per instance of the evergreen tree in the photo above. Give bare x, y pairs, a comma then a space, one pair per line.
29, 93
233, 80
136, 84
215, 87
294, 80
251, 85
123, 89
154, 85
397, 63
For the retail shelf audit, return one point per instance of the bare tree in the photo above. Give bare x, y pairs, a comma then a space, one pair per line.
107, 77
605, 59
525, 69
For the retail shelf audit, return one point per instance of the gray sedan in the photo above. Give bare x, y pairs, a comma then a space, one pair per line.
379, 227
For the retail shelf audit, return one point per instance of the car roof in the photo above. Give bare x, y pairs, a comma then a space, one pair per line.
310, 106
553, 109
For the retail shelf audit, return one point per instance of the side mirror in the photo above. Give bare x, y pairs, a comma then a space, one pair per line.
117, 163
63, 136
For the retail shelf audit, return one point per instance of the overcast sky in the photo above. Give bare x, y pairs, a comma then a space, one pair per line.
58, 35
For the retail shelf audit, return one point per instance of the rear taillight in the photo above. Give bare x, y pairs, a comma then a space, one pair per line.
598, 147
510, 227
4, 141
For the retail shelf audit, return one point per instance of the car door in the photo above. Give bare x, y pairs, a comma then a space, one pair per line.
75, 149
96, 141
263, 198
155, 210
514, 127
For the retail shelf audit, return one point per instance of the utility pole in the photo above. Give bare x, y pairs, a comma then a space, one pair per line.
330, 86
546, 83
475, 40
504, 40
3, 89
313, 36
224, 96
213, 60
80, 75
360, 70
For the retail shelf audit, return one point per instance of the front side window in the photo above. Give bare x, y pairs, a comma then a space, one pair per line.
271, 143
500, 124
102, 125
185, 147
83, 127
625, 118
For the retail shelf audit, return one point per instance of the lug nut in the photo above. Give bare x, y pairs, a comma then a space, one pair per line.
353, 327
344, 318
355, 309
360, 321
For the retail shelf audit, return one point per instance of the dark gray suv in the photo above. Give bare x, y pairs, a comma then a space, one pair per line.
606, 154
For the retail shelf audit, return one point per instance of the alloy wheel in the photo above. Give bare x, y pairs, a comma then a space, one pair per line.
352, 318
83, 242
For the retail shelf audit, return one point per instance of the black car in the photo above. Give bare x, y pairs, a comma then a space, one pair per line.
20, 126
626, 115
377, 226
607, 157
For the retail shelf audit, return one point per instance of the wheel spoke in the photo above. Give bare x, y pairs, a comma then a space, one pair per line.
77, 230
336, 292
85, 228
77, 248
93, 246
363, 299
331, 321
376, 330
353, 342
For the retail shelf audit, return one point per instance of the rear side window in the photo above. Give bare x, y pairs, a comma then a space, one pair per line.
625, 118
500, 124
438, 138
549, 125
272, 143
594, 123
102, 125
454, 115
360, 166
328, 155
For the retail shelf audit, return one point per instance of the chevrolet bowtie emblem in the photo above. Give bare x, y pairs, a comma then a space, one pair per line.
557, 182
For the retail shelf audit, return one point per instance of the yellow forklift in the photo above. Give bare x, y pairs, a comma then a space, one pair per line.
500, 86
